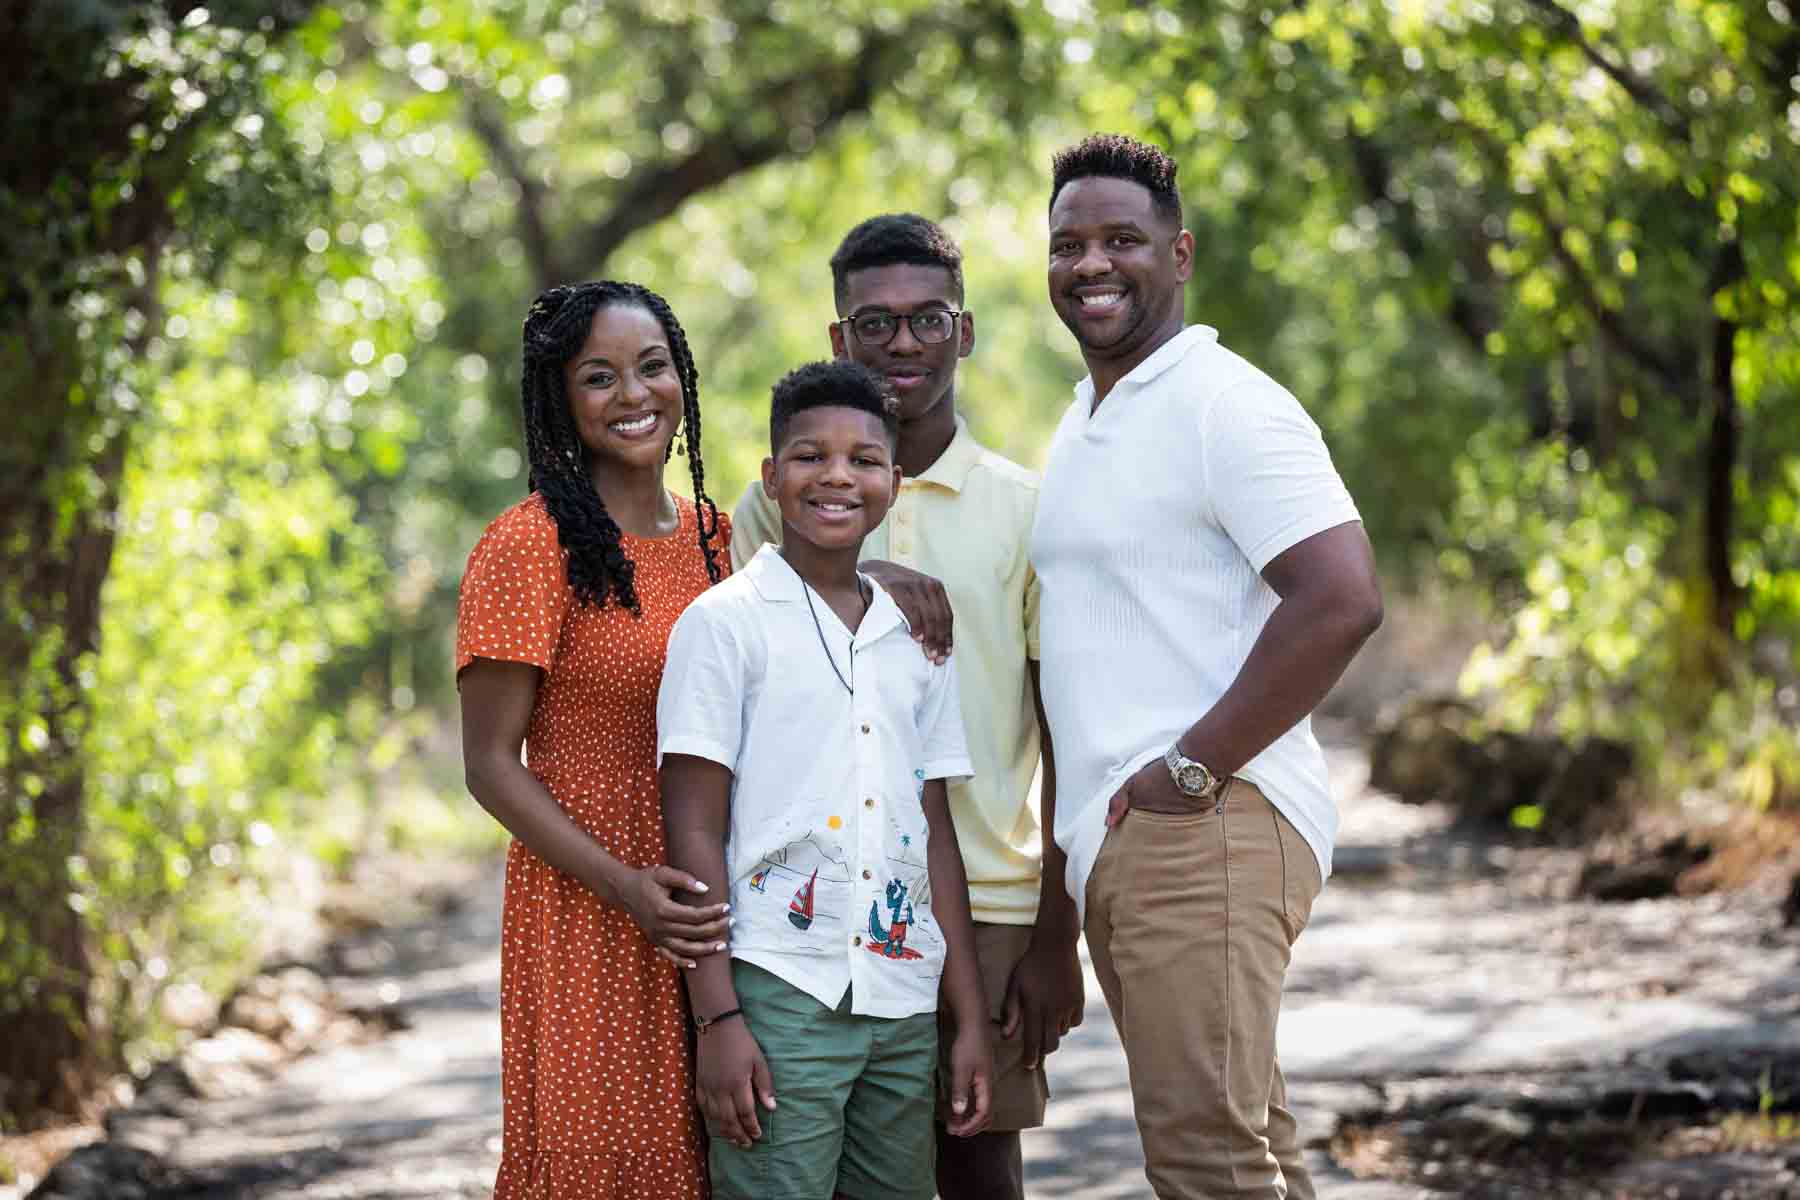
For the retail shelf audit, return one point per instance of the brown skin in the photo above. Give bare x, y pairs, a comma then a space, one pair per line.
622, 373
1045, 998
831, 456
1106, 237
1330, 604
923, 378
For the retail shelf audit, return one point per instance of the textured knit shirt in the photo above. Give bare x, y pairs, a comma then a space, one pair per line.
967, 522
1156, 516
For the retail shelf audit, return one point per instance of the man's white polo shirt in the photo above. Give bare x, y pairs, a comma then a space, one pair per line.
827, 850
1156, 516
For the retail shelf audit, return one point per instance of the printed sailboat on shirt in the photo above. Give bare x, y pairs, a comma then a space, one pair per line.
800, 908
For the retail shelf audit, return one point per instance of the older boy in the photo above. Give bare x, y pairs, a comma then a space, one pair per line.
964, 517
805, 744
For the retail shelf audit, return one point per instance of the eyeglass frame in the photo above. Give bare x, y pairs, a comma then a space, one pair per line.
955, 315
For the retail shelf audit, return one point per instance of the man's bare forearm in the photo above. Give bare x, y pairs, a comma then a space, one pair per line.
1331, 604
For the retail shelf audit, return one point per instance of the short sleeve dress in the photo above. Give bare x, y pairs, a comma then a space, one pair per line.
595, 1062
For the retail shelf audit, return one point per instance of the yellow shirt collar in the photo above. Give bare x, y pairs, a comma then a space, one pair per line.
952, 468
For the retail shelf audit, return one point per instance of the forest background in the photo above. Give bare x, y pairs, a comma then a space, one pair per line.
1531, 264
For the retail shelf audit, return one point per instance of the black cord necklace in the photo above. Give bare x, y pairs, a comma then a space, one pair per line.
850, 683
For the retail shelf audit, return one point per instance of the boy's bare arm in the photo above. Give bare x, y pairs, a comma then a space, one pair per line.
972, 1053
730, 1072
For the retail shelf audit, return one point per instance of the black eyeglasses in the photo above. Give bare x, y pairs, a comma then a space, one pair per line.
931, 327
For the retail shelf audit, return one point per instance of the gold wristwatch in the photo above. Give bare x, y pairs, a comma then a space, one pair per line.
1193, 778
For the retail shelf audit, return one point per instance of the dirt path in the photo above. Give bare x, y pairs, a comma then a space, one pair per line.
1446, 1026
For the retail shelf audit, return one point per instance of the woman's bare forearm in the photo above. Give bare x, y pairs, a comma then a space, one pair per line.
525, 808
497, 702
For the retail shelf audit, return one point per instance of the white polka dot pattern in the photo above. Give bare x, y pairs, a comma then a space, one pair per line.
596, 1070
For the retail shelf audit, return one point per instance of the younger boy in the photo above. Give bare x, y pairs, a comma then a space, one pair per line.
804, 743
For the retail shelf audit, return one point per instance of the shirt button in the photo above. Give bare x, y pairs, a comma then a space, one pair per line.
869, 802
865, 729
857, 940
867, 875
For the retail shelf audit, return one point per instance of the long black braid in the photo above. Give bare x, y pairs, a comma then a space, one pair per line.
555, 328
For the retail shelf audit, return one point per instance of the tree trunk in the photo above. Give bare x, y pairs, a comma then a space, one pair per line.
58, 505
1722, 440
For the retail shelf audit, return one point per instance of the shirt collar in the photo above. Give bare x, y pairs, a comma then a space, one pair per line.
1166, 356
951, 470
778, 583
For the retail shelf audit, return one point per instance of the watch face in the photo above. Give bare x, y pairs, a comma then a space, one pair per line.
1192, 779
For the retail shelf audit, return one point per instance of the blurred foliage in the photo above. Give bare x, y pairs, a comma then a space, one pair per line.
1533, 266
1530, 266
135, 153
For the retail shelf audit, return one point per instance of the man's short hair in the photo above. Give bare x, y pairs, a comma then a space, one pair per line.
1115, 156
895, 238
835, 383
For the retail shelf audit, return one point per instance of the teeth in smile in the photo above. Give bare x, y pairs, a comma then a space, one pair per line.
1100, 299
833, 507
638, 425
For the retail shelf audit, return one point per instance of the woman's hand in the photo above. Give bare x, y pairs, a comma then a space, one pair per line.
681, 933
730, 1077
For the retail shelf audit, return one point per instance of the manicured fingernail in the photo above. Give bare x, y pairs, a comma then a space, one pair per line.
700, 887
720, 946
731, 922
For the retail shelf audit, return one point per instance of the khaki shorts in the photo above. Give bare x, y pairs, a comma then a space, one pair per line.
1019, 1095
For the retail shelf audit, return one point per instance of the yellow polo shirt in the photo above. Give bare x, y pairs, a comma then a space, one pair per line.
967, 521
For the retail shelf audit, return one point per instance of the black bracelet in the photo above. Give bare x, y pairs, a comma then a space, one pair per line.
704, 1024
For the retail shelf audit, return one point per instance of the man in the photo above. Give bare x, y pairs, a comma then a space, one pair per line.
1205, 581
964, 517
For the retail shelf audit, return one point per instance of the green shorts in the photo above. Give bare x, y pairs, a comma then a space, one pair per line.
854, 1099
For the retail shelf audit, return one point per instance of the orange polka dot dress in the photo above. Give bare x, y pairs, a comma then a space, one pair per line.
595, 1065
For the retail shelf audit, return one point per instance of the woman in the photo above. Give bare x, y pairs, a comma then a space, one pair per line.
564, 618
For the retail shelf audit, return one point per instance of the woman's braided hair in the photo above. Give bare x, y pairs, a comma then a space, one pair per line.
555, 328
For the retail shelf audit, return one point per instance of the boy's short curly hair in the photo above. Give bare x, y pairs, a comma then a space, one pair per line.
835, 383
1115, 156
895, 238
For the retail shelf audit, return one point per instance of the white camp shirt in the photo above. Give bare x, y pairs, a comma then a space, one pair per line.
827, 849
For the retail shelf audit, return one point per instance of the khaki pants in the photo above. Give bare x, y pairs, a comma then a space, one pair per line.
1190, 920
